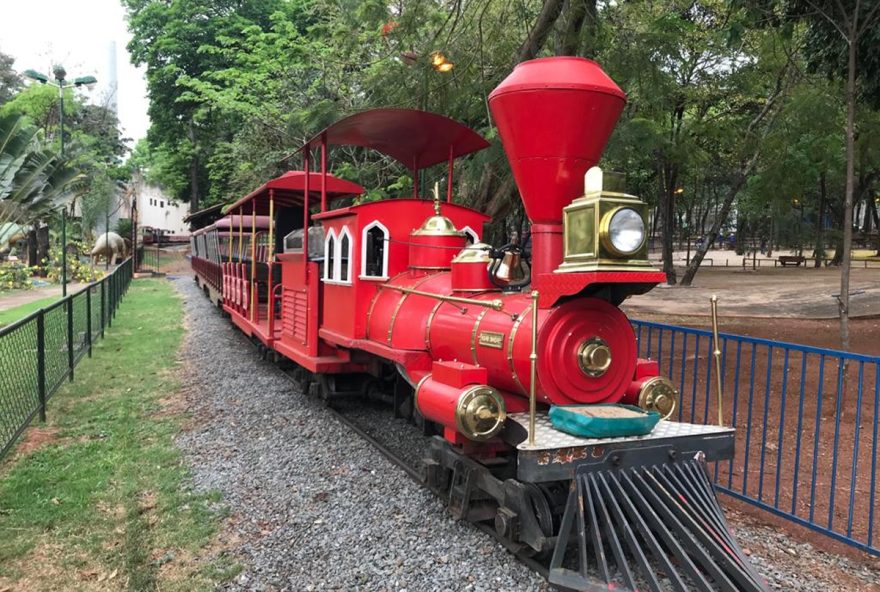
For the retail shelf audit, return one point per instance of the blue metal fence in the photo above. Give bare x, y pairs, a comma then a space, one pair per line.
806, 418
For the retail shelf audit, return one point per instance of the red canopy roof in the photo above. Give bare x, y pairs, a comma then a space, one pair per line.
416, 139
289, 189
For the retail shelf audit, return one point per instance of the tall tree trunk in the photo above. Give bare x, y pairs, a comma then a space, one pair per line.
820, 220
850, 187
667, 222
540, 30
43, 249
193, 172
580, 29
872, 218
32, 247
732, 192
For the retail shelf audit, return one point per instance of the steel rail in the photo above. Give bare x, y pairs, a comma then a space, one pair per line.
417, 476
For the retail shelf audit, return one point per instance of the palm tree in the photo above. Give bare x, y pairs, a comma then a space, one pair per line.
33, 178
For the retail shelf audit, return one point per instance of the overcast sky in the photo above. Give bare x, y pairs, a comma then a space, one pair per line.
78, 35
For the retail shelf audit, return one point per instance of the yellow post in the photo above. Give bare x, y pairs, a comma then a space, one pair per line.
271, 225
533, 369
240, 234
716, 353
253, 262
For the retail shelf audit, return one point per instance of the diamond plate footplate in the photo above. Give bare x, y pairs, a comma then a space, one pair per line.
548, 437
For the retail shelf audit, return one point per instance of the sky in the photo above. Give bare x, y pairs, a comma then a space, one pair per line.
78, 34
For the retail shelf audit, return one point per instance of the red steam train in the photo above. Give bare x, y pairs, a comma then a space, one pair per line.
401, 296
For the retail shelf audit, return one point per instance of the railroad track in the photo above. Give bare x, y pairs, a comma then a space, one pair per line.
413, 470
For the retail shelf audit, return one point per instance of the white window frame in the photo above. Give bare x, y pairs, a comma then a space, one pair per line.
337, 262
471, 233
364, 235
330, 264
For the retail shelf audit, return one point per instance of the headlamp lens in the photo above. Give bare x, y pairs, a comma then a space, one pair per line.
626, 230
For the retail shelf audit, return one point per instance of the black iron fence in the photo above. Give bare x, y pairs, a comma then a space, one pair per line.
147, 258
40, 351
807, 423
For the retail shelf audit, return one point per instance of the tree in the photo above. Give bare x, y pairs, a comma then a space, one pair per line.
168, 38
10, 81
838, 28
33, 178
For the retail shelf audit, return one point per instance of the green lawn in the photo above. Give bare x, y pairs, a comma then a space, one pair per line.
10, 315
103, 502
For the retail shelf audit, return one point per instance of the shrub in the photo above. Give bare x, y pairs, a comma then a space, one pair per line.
15, 275
77, 270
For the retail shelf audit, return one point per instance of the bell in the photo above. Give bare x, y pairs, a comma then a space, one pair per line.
510, 269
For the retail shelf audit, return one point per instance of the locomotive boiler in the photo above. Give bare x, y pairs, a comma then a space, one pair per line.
588, 253
400, 300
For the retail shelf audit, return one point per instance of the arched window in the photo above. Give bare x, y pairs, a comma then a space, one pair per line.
374, 251
329, 254
471, 234
342, 266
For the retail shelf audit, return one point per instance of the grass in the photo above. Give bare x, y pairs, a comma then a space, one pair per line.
103, 502
10, 315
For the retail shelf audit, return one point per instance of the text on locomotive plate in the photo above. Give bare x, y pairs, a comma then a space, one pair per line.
492, 339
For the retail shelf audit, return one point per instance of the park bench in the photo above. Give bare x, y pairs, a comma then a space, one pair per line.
784, 260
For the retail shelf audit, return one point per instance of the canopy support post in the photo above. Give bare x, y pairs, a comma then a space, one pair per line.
240, 232
306, 166
271, 249
415, 178
449, 178
254, 304
323, 172
270, 290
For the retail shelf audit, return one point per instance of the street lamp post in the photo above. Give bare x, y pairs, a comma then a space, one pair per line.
89, 81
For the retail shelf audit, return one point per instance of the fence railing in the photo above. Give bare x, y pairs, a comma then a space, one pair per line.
40, 351
147, 258
806, 418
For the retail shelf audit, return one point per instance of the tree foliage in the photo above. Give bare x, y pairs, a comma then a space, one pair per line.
731, 114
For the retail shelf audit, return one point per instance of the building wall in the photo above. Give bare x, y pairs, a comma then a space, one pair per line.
157, 210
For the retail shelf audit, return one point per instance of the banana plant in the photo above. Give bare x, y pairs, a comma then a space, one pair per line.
33, 178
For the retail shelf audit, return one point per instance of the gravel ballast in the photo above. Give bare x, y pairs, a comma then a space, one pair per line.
315, 507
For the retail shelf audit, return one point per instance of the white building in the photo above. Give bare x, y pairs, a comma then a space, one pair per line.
155, 209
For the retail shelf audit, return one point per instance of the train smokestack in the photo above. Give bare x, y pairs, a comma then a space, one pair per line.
554, 116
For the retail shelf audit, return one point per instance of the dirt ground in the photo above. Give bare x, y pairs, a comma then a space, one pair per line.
769, 292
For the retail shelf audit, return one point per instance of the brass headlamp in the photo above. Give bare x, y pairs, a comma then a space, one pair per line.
604, 230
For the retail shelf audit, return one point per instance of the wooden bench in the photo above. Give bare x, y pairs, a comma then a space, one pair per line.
784, 260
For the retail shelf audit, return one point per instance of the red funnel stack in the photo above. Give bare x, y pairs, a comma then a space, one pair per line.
555, 116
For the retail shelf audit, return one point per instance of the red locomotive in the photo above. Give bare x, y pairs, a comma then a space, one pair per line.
401, 295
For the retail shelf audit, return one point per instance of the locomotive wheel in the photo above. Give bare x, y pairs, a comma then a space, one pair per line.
325, 392
540, 508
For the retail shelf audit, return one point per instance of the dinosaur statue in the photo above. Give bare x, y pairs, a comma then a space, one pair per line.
110, 246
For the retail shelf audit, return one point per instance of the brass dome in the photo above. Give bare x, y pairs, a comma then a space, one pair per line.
475, 253
438, 225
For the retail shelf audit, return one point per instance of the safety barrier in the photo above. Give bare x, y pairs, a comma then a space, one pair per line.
147, 258
807, 424
39, 351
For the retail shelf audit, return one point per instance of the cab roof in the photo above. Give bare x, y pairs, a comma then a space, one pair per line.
289, 189
416, 139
